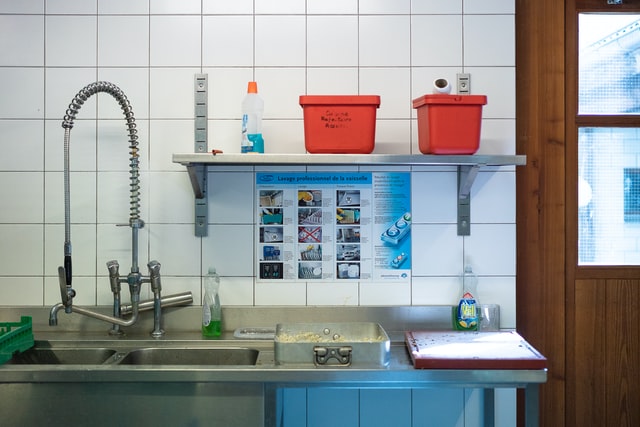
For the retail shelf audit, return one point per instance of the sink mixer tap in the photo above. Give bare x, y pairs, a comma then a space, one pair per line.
134, 279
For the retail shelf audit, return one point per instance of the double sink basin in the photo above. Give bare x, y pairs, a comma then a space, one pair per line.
46, 353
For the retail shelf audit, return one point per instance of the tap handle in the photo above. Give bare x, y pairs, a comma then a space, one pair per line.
66, 292
67, 271
154, 275
114, 275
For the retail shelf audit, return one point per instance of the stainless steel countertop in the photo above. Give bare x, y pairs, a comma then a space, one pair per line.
77, 331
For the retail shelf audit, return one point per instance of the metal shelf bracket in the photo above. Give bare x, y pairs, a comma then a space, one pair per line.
466, 177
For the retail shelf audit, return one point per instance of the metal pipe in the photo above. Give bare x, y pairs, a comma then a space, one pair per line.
183, 298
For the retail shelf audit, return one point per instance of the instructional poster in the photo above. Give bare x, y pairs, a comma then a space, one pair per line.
333, 226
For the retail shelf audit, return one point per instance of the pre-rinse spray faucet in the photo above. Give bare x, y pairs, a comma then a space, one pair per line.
135, 279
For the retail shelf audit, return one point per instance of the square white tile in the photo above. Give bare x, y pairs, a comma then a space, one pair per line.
24, 6
332, 81
384, 7
24, 87
434, 197
22, 136
436, 250
280, 41
22, 195
489, 6
332, 41
332, 7
24, 256
230, 248
68, 7
65, 48
236, 291
385, 294
123, 41
244, 7
171, 93
27, 40
232, 197
227, 41
501, 291
436, 40
113, 146
332, 294
489, 40
285, 294
384, 40
83, 254
123, 7
279, 6
436, 6
498, 137
30, 291
488, 199
170, 7
501, 259
435, 290
175, 41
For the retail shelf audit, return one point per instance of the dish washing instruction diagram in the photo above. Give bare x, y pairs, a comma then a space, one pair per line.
333, 226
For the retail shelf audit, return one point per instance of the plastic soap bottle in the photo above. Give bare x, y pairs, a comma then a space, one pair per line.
252, 110
467, 314
211, 309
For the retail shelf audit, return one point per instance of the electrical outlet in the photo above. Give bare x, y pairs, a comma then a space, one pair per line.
464, 83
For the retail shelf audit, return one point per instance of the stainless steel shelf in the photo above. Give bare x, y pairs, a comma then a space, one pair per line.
468, 166
348, 159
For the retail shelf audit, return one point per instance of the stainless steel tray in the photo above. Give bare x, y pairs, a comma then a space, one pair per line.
332, 344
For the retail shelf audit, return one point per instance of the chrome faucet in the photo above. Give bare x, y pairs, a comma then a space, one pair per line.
134, 279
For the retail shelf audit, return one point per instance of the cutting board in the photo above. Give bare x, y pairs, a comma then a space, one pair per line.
472, 350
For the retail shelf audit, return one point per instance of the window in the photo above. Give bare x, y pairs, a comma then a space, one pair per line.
608, 145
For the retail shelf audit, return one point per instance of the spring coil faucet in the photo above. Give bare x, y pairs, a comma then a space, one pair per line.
134, 278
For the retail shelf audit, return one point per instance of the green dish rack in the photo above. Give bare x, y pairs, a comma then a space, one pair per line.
15, 337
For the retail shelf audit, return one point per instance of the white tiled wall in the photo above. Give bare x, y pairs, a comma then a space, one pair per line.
152, 49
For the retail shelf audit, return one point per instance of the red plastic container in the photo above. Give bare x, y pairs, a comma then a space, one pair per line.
449, 124
339, 123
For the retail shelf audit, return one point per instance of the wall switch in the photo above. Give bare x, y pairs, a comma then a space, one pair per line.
464, 83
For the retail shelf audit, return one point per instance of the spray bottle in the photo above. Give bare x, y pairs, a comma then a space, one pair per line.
252, 110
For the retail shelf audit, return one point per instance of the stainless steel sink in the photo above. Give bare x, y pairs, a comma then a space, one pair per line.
191, 356
62, 356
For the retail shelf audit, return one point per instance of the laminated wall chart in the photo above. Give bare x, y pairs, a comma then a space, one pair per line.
333, 226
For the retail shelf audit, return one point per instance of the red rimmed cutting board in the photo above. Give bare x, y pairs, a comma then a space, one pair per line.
472, 350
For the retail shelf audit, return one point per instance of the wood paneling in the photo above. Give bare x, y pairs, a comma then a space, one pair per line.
540, 198
607, 354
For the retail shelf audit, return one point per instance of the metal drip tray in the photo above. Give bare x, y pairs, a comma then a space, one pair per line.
332, 344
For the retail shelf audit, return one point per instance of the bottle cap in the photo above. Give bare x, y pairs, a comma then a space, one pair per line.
252, 87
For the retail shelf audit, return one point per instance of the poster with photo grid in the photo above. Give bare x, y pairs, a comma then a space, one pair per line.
333, 226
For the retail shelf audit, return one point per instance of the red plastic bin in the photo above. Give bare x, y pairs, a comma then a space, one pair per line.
339, 123
449, 124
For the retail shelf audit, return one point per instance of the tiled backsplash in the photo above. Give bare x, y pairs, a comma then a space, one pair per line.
152, 49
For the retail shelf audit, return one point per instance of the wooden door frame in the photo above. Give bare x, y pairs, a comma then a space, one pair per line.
540, 192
